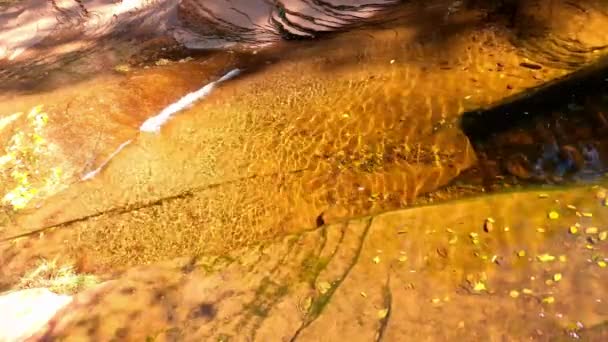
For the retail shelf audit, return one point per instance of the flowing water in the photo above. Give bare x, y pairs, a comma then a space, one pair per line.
178, 153
307, 133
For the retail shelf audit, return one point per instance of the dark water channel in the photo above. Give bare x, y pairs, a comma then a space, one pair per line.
554, 136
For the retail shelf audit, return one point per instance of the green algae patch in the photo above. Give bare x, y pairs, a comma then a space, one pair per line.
24, 171
62, 279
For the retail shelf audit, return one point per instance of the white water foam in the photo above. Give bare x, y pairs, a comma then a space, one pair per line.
94, 173
153, 124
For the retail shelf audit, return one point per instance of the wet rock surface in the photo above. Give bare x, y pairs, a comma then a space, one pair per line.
314, 129
40, 38
425, 273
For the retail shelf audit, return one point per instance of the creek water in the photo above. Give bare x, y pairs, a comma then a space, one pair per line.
307, 133
173, 154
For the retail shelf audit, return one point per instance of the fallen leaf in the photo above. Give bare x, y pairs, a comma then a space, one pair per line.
591, 230
557, 277
553, 215
545, 257
382, 313
549, 300
514, 293
376, 260
453, 240
307, 304
479, 286
324, 287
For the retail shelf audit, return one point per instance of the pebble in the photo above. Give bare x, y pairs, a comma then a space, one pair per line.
488, 225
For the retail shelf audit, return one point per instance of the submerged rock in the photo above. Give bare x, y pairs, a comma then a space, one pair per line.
363, 279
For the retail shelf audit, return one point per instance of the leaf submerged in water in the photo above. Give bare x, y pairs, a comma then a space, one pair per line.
479, 286
545, 257
382, 313
324, 287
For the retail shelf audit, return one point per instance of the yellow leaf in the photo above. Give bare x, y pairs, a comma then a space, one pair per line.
382, 313
549, 300
514, 293
557, 277
324, 287
545, 257
591, 230
479, 286
573, 230
553, 215
376, 260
